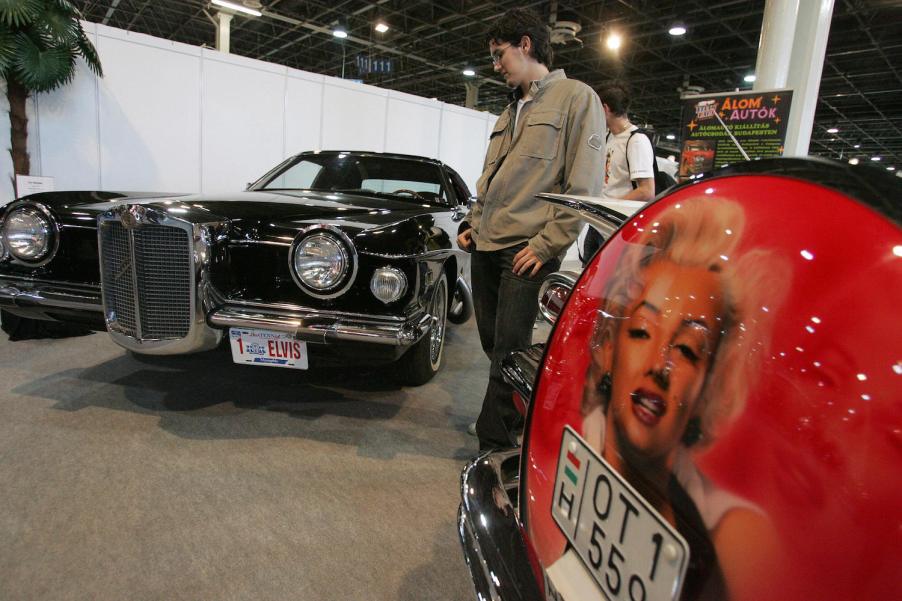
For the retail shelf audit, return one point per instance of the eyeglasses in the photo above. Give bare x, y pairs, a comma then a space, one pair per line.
498, 54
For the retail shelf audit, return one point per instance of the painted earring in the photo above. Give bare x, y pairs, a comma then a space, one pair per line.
604, 387
693, 432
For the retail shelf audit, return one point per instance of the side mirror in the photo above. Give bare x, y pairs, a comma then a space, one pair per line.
458, 213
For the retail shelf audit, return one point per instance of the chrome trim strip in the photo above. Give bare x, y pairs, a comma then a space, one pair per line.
48, 296
430, 253
316, 327
489, 530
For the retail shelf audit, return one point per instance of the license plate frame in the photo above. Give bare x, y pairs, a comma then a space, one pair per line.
607, 523
267, 348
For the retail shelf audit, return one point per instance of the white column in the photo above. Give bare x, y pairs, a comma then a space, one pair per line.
775, 45
805, 67
223, 25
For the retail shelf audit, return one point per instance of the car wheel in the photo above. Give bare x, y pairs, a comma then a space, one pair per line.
461, 304
424, 359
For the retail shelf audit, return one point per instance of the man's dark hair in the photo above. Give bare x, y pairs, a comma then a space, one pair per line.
617, 96
519, 22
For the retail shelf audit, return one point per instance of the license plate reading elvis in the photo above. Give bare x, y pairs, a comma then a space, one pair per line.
273, 349
632, 553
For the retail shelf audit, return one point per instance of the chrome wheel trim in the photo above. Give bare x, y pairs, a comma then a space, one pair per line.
437, 331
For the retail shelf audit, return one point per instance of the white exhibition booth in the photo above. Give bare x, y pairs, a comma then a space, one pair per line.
169, 117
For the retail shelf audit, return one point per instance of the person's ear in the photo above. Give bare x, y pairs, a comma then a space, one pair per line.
526, 45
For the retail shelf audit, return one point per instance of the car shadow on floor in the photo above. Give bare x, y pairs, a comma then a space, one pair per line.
204, 396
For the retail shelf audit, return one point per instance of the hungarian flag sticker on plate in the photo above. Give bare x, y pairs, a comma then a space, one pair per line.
272, 349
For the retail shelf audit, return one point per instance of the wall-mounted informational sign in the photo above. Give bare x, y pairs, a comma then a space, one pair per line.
32, 184
719, 129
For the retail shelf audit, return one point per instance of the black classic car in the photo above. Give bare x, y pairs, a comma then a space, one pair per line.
330, 257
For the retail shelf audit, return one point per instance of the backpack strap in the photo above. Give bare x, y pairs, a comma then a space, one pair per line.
654, 161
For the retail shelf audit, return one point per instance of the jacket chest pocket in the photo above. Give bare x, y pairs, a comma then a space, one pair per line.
496, 139
542, 134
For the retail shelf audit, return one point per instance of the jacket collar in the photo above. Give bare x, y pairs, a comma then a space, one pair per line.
537, 86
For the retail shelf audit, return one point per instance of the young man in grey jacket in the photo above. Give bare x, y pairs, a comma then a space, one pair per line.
549, 139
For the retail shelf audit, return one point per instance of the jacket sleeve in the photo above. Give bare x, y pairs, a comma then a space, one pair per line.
584, 147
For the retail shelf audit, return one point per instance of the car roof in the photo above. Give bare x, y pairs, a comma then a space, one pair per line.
392, 155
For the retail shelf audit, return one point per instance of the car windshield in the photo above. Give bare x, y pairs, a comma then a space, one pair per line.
345, 172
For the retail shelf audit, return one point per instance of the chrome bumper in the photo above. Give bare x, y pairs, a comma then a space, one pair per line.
323, 327
306, 324
490, 532
28, 293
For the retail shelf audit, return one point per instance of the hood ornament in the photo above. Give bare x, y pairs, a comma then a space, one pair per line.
133, 216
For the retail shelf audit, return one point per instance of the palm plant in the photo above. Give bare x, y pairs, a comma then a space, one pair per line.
40, 41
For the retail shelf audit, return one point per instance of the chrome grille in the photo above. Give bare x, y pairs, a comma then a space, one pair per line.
154, 261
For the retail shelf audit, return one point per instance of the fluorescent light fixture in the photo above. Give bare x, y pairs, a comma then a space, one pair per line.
670, 137
381, 27
833, 130
237, 7
857, 146
469, 72
875, 158
749, 78
677, 30
340, 33
853, 161
613, 42
890, 168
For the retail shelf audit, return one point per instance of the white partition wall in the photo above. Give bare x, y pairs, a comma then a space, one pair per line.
169, 117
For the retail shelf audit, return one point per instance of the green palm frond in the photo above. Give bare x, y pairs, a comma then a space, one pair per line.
58, 23
18, 13
7, 50
42, 68
89, 53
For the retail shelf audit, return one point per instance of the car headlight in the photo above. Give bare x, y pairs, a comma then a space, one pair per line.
27, 234
323, 262
388, 284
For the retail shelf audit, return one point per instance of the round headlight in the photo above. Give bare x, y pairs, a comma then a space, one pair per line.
388, 284
321, 261
27, 234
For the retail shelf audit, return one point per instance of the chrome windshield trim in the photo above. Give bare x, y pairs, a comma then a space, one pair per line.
605, 214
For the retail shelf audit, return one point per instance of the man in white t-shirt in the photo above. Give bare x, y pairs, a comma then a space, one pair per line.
629, 169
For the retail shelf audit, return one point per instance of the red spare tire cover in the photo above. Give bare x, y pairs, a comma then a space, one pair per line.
734, 353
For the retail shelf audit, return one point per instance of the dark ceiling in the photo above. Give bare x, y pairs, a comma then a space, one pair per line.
430, 43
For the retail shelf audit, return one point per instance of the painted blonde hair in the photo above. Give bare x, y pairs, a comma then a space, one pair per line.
702, 233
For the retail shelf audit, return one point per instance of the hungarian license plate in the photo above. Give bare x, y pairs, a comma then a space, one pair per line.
273, 349
630, 550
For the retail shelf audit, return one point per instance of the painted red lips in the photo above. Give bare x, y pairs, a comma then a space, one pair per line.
648, 407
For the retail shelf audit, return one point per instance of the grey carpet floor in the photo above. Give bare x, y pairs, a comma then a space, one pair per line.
194, 478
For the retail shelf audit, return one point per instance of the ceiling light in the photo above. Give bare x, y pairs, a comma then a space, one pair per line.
890, 168
833, 130
677, 29
381, 27
670, 137
857, 146
613, 42
340, 32
875, 158
469, 72
853, 161
237, 7
749, 78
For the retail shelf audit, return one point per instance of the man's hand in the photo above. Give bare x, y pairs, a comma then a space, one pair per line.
465, 240
526, 260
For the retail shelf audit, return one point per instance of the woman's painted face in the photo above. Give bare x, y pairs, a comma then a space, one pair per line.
661, 356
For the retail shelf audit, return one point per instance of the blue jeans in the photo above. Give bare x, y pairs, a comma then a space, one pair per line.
506, 307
